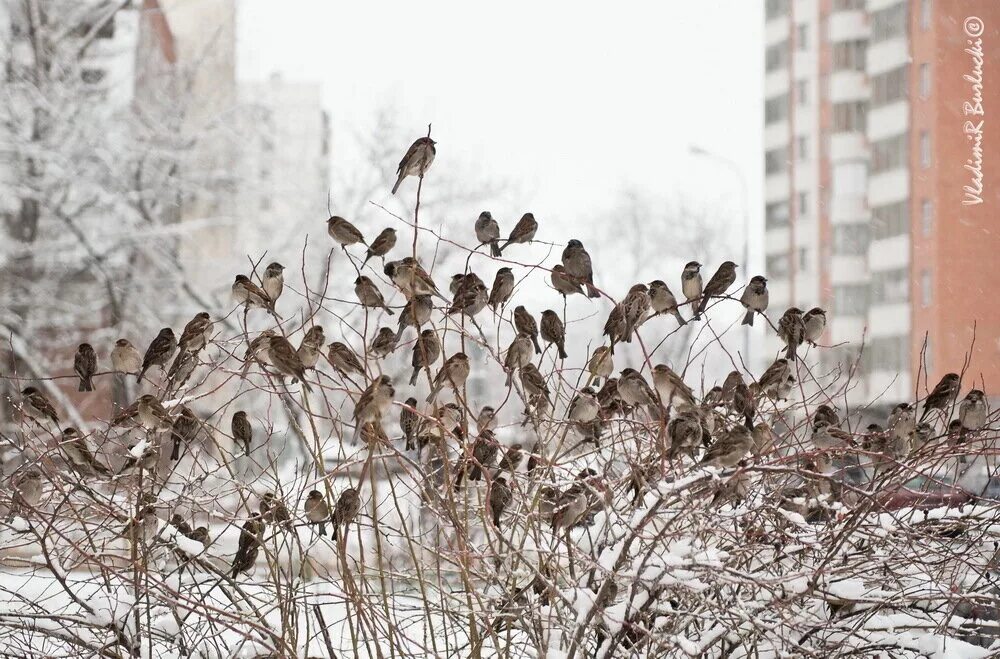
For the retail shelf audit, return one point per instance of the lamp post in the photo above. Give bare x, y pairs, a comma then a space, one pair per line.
745, 205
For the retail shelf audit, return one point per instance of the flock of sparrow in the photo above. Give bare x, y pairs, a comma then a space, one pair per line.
719, 430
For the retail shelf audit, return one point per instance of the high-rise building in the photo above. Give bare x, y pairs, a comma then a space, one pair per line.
879, 204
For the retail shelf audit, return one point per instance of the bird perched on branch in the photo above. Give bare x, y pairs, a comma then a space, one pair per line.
317, 510
74, 445
373, 403
348, 505
717, 285
519, 354
533, 382
523, 232
601, 364
125, 358
662, 300
500, 497
503, 287
185, 429
251, 536
972, 411
85, 365
417, 312
791, 330
755, 298
382, 245
409, 422
488, 232
730, 448
691, 284
454, 373
416, 161
426, 351
273, 510
311, 346
410, 278
484, 452
28, 488
563, 282
553, 331
242, 431
152, 414
671, 387
251, 296
813, 325
196, 333
273, 281
525, 323
943, 395
578, 265
37, 406
286, 360
383, 344
159, 352
259, 350
343, 232
369, 295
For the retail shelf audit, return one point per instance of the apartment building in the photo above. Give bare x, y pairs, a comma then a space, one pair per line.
866, 210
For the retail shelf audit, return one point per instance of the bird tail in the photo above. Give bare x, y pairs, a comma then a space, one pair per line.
413, 378
510, 378
496, 518
399, 181
679, 317
87, 384
790, 352
562, 351
334, 533
748, 318
495, 248
501, 248
434, 392
387, 309
926, 411
367, 256
175, 454
701, 306
142, 372
305, 385
748, 422
591, 291
538, 348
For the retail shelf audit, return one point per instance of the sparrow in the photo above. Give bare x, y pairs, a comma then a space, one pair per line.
570, 507
826, 413
145, 527
825, 436
410, 278
484, 451
523, 232
635, 307
601, 364
511, 459
343, 232
729, 449
671, 387
317, 510
814, 323
791, 330
764, 439
426, 351
525, 323
470, 300
258, 350
972, 411
382, 245
634, 389
343, 359
28, 488
417, 160
500, 497
159, 352
196, 333
450, 418
611, 402
152, 414
251, 536
553, 331
729, 386
577, 263
251, 296
923, 434
75, 446
181, 369
563, 282
374, 402
717, 285
774, 377
273, 510
533, 382
384, 343
943, 395
486, 419
662, 300
184, 430
755, 298
125, 358
488, 232
417, 312
178, 522
902, 421
519, 354
311, 346
744, 404
584, 407
348, 505
464, 280
503, 287
286, 360
273, 281
409, 422
146, 461
85, 365
369, 295
454, 373
691, 283
242, 431
200, 534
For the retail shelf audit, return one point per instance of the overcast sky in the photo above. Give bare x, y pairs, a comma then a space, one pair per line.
573, 100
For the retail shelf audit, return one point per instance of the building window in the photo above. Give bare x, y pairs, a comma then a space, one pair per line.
925, 149
775, 8
889, 86
776, 215
925, 14
889, 353
850, 300
891, 220
803, 203
925, 80
850, 239
776, 109
851, 117
849, 55
776, 56
803, 259
776, 266
776, 160
889, 153
802, 38
889, 23
925, 288
926, 217
801, 89
890, 286
802, 147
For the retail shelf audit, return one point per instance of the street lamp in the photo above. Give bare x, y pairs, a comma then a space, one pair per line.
745, 205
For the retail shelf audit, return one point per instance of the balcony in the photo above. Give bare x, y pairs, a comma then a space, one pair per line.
887, 55
847, 26
888, 120
848, 146
776, 187
848, 269
776, 134
889, 253
848, 85
888, 187
776, 30
775, 83
889, 319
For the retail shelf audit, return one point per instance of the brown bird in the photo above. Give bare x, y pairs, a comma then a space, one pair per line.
634, 389
635, 306
484, 451
346, 510
343, 232
181, 369
125, 358
578, 265
409, 422
454, 373
691, 284
775, 377
533, 382
615, 326
525, 323
28, 488
410, 278
523, 231
563, 282
503, 287
369, 295
85, 365
486, 419
519, 354
196, 333
426, 351
317, 510
718, 284
251, 296
374, 403
826, 413
553, 331
685, 433
311, 346
75, 446
601, 364
382, 245
488, 232
755, 298
470, 300
159, 352
417, 312
973, 411
791, 330
273, 281
185, 429
662, 300
251, 536
500, 497
242, 431
943, 395
584, 407
730, 448
286, 360
813, 325
343, 359
671, 387
384, 343
511, 459
152, 414
744, 404
416, 161
259, 350
273, 510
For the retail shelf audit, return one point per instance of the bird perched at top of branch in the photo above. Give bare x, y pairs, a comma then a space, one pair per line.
791, 330
196, 333
972, 411
125, 358
159, 352
273, 281
755, 298
311, 346
343, 232
382, 245
369, 295
578, 265
286, 360
943, 395
85, 365
488, 232
718, 284
662, 300
251, 536
813, 325
416, 161
563, 282
348, 505
503, 287
252, 296
553, 331
691, 284
523, 231
454, 373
